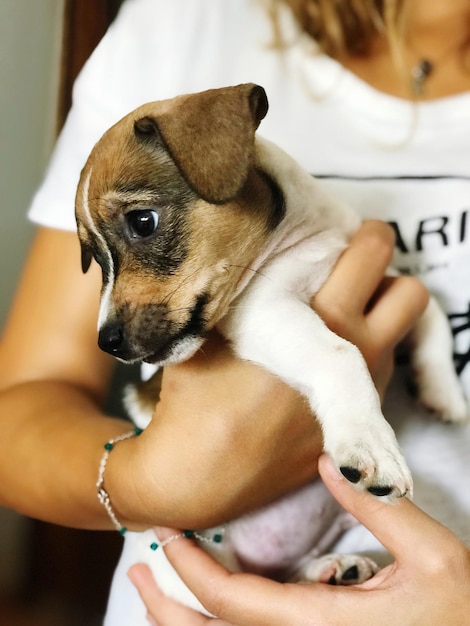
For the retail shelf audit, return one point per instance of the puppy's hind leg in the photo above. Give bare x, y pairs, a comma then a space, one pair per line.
431, 351
335, 569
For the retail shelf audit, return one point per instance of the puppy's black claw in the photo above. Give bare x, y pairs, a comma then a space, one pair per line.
380, 490
351, 473
352, 573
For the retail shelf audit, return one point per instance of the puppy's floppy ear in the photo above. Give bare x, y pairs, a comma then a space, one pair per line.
87, 256
210, 136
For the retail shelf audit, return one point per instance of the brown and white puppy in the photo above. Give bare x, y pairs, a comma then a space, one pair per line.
196, 223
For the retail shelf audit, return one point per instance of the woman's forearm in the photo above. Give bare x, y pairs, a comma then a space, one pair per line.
50, 448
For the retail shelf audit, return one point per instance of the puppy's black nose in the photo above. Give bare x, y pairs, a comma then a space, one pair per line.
111, 338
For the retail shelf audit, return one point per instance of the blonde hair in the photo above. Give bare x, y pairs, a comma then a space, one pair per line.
348, 27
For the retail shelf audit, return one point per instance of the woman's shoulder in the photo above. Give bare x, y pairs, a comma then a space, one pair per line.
183, 12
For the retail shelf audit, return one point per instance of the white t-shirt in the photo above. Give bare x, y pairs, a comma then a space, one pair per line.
407, 164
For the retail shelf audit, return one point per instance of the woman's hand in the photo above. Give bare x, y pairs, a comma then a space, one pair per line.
371, 310
228, 436
427, 585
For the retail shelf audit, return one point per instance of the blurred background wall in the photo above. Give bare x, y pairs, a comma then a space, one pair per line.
48, 575
30, 46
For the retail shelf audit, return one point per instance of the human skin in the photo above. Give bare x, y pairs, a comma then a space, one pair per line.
428, 584
53, 381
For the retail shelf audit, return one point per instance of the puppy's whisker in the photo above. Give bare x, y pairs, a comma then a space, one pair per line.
178, 309
182, 283
201, 349
248, 269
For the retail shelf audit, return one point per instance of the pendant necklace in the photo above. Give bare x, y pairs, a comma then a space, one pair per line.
420, 72
424, 67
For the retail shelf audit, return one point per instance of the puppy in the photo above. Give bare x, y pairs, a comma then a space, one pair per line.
198, 223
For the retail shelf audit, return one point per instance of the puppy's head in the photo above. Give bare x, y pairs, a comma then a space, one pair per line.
172, 206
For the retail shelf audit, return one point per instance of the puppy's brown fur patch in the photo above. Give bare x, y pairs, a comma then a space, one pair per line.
215, 211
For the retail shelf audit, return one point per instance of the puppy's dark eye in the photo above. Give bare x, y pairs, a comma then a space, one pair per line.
142, 223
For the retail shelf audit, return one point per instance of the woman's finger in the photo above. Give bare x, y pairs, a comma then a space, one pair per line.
165, 611
396, 307
242, 599
359, 270
401, 527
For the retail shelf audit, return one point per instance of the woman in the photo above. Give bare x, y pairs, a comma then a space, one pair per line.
368, 147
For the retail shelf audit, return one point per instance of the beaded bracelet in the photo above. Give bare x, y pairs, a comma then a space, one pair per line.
105, 500
217, 537
102, 494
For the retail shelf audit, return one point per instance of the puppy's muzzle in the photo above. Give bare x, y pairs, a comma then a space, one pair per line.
119, 341
150, 333
114, 339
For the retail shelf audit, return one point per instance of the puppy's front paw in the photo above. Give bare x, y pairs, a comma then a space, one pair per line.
336, 569
369, 457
